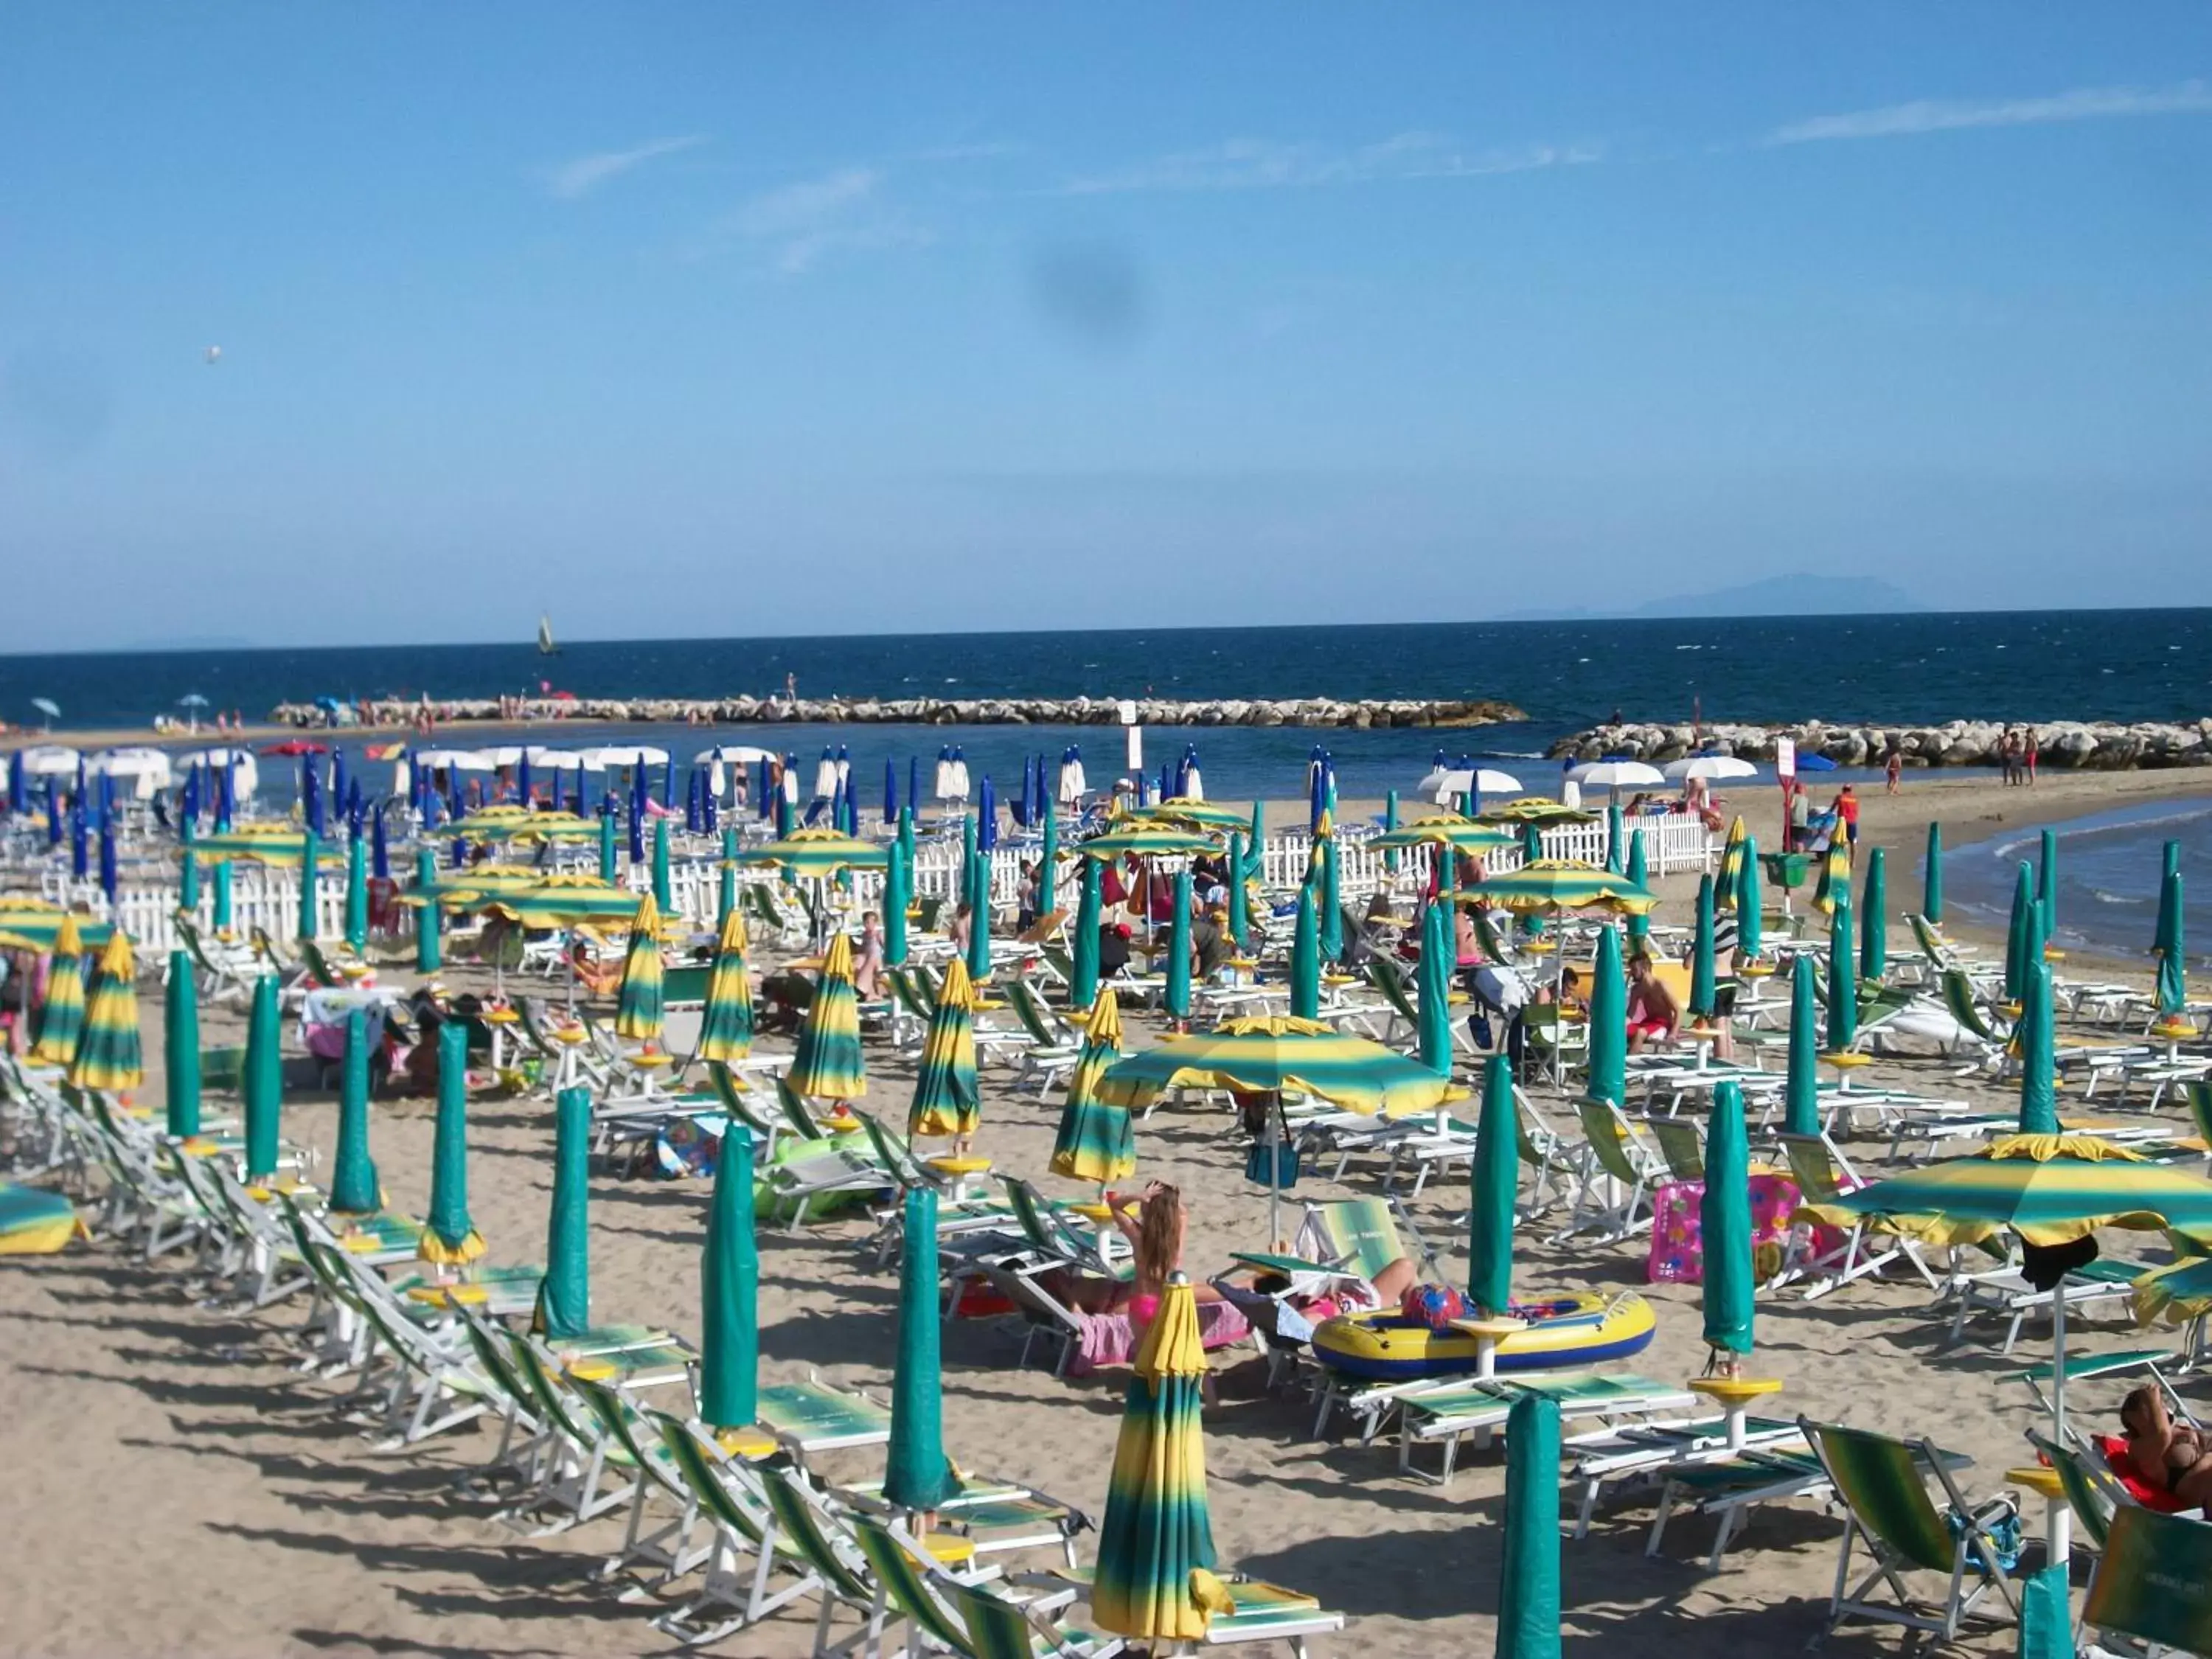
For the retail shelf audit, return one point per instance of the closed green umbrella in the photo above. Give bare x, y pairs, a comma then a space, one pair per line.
311, 853
222, 888
1528, 1563
729, 1282
2038, 1060
725, 1029
1800, 1099
2172, 967
1750, 919
898, 897
2023, 945
564, 1295
1438, 961
1177, 995
2046, 1613
1843, 977
916, 1476
262, 1081
1495, 1183
1724, 1221
1616, 832
354, 1189
979, 917
1931, 877
2170, 864
1703, 1000
1240, 899
1639, 922
356, 899
608, 870
450, 1237
1048, 859
1256, 840
726, 890
663, 895
430, 955
640, 1003
188, 877
1874, 918
1390, 823
1083, 982
1332, 899
180, 1054
906, 836
1608, 1023
1305, 959
2046, 883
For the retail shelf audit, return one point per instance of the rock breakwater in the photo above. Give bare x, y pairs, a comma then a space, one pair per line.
2076, 745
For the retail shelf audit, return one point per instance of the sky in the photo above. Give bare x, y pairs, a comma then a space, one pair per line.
689, 320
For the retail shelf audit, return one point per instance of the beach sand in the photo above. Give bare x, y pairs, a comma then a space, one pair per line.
174, 1487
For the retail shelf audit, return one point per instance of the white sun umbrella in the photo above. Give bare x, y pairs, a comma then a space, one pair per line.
960, 775
623, 754
1073, 785
1444, 783
1617, 774
1709, 766
246, 772
791, 784
455, 760
732, 754
147, 769
54, 757
942, 788
505, 754
1193, 788
825, 776
541, 756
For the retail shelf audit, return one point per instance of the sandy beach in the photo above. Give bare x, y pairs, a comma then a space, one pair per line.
175, 1487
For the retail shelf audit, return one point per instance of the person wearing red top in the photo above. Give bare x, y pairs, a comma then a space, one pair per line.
1847, 820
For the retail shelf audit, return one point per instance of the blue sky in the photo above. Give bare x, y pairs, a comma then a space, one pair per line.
719, 319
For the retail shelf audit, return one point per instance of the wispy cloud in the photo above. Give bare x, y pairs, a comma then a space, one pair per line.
1269, 164
580, 177
1941, 115
802, 222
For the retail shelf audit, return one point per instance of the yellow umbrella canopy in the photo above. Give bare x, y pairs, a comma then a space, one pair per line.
1561, 884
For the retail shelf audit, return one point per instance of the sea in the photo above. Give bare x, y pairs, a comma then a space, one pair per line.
1915, 669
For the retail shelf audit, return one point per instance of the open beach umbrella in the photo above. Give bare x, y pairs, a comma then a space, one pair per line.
564, 1295
2180, 1292
1549, 884
30, 924
1083, 981
1872, 908
449, 1236
1931, 877
1724, 1221
818, 853
1800, 1096
261, 1082
945, 1096
1843, 979
1750, 919
1494, 1183
1095, 1141
2038, 1062
107, 1055
61, 1016
1639, 921
1274, 1053
1305, 959
663, 895
726, 1029
2172, 971
1702, 980
1154, 1581
729, 1286
2023, 945
2046, 882
639, 1009
1438, 961
916, 1476
1176, 999
827, 1063
356, 895
1608, 1023
354, 1189
1528, 1563
1147, 841
180, 1046
1182, 813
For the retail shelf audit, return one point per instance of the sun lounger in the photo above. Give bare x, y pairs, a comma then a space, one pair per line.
1607, 1461
1612, 1195
1730, 1489
1442, 1414
2152, 1590
727, 1499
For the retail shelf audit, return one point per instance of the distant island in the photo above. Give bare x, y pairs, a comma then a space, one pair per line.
1806, 594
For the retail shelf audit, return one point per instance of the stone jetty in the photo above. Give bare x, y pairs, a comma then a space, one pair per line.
2082, 746
924, 711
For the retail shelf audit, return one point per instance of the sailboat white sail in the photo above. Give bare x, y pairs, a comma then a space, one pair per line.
545, 646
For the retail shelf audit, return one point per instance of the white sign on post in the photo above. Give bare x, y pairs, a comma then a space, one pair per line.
1128, 713
1785, 757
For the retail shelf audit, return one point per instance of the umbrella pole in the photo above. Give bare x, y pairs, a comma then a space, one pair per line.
2059, 1544
1275, 1172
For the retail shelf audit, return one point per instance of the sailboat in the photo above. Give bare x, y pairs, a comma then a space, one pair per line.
545, 646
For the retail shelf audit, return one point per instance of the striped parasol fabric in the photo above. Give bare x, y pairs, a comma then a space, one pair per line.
521, 826
828, 1063
107, 1056
274, 844
1834, 887
31, 924
61, 1016
2179, 1292
1197, 814
1461, 834
945, 1098
1095, 1141
553, 901
725, 1030
1560, 885
34, 1221
1154, 1580
1277, 1052
1148, 843
820, 852
639, 1012
1538, 810
1732, 852
2050, 1189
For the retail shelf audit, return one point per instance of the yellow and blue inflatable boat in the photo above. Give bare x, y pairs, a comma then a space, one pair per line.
1582, 1328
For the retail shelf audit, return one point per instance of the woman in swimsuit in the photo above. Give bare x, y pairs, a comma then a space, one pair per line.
2175, 1457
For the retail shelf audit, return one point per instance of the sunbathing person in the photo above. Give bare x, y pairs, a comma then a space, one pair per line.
2174, 1458
1654, 1016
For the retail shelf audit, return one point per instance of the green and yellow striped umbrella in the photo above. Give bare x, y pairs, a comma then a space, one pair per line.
521, 826
1148, 843
460, 889
1536, 809
1835, 884
556, 902
1154, 1581
1203, 814
279, 845
2050, 1189
1278, 1052
107, 1055
945, 1098
2180, 1293
1096, 1142
61, 1016
29, 923
828, 1063
36, 1222
725, 1030
1461, 834
1560, 885
821, 852
639, 1012
1738, 832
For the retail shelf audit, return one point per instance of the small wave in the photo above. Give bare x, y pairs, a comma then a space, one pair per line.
1689, 647
2134, 901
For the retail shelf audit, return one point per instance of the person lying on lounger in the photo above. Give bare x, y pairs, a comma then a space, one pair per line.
2172, 1456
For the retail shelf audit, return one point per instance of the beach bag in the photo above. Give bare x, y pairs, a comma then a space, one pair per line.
1273, 1165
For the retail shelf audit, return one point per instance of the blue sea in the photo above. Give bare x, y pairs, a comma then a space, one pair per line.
2101, 665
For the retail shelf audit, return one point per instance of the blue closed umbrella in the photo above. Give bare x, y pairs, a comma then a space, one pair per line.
107, 877
188, 798
17, 799
523, 783
339, 794
987, 816
53, 813
311, 793
668, 781
914, 783
636, 832
710, 807
226, 799
1023, 808
693, 812
79, 849
354, 807
379, 851
890, 793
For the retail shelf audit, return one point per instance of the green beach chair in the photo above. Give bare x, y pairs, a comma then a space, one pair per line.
1001, 1628
842, 1577
574, 1467
1882, 1483
2154, 1586
810, 1416
1615, 1177
724, 1494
